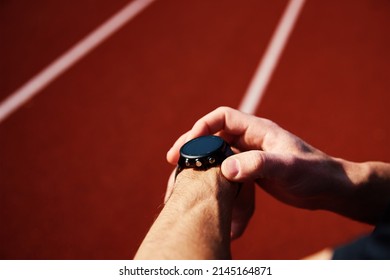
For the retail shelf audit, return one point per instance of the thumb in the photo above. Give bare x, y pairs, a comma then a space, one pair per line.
253, 165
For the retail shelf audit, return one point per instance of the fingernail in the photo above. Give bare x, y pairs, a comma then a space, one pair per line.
232, 167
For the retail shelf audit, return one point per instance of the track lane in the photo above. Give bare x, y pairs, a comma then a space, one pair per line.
77, 162
330, 88
34, 33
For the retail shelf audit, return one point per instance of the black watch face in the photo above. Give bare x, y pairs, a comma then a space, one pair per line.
202, 146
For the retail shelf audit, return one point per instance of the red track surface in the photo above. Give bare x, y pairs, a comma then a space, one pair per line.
82, 166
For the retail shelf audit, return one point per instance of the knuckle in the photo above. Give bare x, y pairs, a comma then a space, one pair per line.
224, 110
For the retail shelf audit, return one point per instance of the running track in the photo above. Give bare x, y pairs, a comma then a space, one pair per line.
82, 164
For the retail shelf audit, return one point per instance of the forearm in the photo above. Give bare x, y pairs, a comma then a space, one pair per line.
195, 222
366, 192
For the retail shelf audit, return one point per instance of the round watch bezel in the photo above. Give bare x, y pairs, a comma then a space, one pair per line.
203, 152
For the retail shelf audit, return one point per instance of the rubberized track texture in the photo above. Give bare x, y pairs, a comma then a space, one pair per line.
82, 163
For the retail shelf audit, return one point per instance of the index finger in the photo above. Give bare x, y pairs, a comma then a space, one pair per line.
240, 130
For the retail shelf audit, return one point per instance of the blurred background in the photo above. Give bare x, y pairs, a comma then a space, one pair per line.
82, 164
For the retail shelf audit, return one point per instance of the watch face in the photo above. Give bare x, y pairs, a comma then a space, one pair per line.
202, 146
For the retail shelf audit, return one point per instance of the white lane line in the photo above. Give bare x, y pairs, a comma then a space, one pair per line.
71, 57
266, 67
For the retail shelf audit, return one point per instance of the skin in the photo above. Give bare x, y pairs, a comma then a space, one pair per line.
267, 156
195, 221
243, 205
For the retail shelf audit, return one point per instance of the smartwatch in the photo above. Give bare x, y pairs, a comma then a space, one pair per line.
203, 153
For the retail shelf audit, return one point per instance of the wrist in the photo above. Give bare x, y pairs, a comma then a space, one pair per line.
204, 185
364, 191
197, 217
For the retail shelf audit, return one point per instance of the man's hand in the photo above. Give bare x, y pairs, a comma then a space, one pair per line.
290, 169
